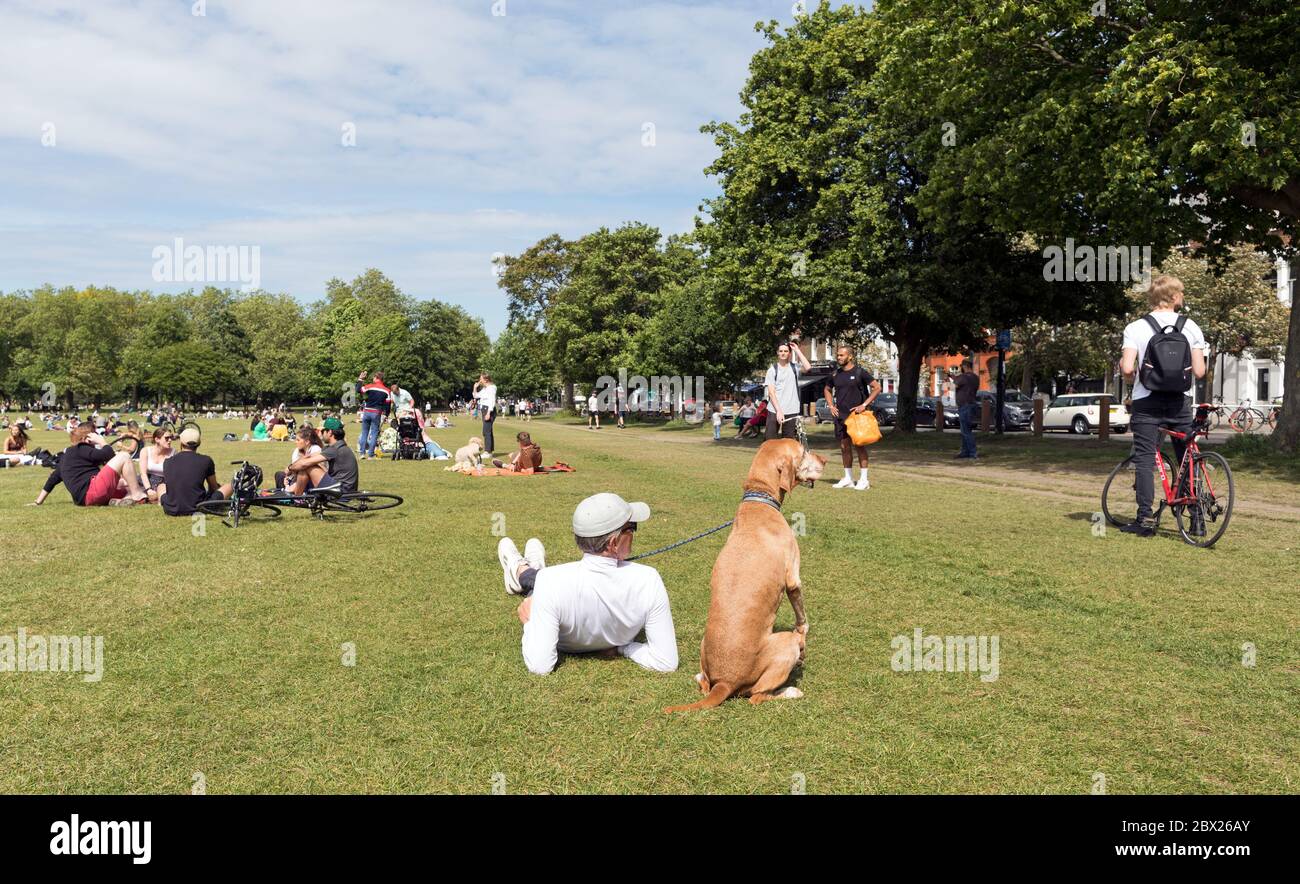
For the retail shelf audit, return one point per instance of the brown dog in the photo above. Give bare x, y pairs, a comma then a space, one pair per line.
740, 654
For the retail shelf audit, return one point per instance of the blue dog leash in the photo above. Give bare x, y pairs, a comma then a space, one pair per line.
753, 496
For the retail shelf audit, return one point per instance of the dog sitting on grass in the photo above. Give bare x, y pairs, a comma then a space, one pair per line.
471, 454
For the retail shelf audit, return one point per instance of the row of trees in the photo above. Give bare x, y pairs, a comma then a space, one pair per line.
905, 168
69, 346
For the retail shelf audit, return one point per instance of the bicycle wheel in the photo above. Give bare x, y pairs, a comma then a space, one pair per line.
1212, 420
361, 502
232, 511
1203, 522
1119, 495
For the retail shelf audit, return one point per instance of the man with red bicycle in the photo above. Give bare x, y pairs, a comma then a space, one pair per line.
1163, 355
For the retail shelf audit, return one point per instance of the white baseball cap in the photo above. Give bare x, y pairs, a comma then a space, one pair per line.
603, 513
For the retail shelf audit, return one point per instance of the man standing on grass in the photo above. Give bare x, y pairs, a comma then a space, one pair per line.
376, 403
485, 395
1162, 378
593, 411
598, 604
851, 390
782, 385
965, 390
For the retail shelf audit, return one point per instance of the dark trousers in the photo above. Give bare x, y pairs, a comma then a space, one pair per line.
489, 417
967, 415
789, 429
1149, 414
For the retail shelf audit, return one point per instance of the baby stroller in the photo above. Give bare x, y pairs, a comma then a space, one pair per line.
410, 442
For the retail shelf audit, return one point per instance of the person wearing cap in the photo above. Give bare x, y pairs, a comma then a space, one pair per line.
189, 478
335, 464
598, 604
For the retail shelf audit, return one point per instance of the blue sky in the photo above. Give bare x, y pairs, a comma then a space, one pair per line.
475, 133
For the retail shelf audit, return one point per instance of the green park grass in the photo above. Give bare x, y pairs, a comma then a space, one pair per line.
223, 652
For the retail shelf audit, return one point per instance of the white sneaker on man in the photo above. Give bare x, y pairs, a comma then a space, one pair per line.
535, 554
846, 482
863, 484
510, 559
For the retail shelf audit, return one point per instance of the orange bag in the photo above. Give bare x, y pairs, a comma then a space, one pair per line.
862, 427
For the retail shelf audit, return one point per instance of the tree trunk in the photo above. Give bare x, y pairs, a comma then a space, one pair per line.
1287, 435
911, 351
568, 395
1026, 376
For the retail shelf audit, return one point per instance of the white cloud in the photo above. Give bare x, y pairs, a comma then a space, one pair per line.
229, 126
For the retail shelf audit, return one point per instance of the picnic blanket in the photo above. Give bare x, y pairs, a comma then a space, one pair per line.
468, 470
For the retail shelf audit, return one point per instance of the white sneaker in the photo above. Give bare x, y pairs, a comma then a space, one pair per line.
863, 484
509, 557
535, 554
846, 482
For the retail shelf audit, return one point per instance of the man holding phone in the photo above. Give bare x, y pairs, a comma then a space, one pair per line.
485, 393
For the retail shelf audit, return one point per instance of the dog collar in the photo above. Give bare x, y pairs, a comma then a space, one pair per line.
761, 497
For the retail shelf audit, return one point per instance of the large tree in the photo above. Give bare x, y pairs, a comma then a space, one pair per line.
1127, 122
817, 227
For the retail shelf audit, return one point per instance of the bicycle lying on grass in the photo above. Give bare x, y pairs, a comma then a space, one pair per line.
1202, 505
246, 499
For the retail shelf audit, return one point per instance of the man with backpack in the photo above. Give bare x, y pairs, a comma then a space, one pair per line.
782, 386
851, 390
1163, 355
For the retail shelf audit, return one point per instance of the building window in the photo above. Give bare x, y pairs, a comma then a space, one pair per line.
1261, 384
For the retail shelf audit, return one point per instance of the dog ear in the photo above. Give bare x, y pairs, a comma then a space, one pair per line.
785, 473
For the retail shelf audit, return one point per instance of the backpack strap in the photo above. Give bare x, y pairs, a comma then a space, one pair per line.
1154, 323
1182, 321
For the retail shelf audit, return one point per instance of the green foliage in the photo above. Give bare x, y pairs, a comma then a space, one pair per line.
97, 345
1141, 125
519, 362
818, 227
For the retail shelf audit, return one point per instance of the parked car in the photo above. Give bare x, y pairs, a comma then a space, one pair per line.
925, 406
727, 408
885, 408
1080, 413
822, 411
1017, 408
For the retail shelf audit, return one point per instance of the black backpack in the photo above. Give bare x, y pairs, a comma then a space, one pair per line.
1167, 365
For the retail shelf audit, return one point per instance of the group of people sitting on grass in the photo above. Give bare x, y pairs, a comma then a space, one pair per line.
171, 472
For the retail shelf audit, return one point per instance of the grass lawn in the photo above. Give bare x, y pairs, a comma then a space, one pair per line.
223, 653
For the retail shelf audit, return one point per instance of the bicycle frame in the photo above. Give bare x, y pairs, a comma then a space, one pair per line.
1189, 453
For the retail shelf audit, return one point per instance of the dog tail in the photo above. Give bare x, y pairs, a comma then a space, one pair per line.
719, 693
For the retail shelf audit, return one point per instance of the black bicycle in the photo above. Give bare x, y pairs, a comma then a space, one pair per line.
248, 500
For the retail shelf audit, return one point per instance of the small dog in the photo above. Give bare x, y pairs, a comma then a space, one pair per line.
472, 453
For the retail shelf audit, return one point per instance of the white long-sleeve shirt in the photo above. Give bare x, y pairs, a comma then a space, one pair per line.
597, 603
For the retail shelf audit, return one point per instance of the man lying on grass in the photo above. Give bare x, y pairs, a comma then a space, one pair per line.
93, 473
598, 604
189, 478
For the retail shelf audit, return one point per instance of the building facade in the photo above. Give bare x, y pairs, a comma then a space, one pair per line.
1256, 380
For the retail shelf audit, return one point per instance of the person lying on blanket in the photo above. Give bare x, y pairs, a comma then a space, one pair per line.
527, 459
